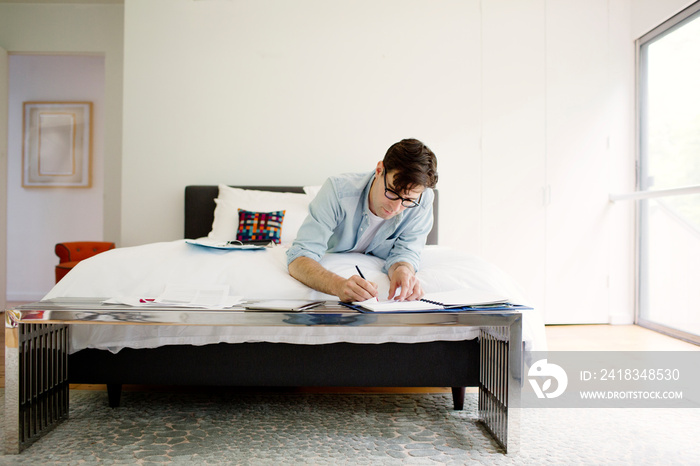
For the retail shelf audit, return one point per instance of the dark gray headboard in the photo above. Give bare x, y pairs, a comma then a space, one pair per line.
200, 205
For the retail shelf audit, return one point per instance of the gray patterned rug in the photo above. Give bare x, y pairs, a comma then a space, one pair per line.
328, 429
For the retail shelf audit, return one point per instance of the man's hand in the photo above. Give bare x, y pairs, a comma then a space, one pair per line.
357, 288
402, 276
314, 275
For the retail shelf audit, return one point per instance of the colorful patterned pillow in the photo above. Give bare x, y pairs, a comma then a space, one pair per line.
259, 226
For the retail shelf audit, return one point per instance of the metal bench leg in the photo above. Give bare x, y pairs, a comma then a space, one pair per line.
36, 381
500, 371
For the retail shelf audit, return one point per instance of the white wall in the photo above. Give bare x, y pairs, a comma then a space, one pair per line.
514, 97
647, 14
71, 29
38, 218
290, 92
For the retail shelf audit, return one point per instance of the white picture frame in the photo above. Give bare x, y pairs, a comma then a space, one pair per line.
57, 144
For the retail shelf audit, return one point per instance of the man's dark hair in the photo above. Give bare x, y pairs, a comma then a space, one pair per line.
415, 165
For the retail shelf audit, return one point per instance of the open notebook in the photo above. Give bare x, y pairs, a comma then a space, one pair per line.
437, 301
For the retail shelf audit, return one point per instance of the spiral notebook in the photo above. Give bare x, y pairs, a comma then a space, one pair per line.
437, 301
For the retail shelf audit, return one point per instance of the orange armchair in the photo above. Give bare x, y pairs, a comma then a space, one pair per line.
71, 253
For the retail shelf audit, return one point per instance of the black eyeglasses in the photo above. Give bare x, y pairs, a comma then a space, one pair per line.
394, 196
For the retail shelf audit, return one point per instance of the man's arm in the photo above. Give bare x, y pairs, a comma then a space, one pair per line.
314, 275
402, 275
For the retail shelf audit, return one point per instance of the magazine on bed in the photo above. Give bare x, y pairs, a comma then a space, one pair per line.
229, 245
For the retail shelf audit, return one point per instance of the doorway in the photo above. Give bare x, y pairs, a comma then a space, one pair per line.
38, 218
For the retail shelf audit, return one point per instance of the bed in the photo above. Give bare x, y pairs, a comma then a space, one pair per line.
258, 357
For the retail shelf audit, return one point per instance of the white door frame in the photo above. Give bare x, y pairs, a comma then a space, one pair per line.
4, 78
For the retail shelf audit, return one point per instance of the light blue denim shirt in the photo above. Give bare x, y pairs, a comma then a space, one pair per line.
340, 213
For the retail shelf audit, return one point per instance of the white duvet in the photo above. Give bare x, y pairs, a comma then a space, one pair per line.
143, 271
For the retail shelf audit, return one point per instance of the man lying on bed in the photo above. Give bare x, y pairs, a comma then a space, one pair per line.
387, 213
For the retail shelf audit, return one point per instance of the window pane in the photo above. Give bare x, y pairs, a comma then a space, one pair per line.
672, 129
670, 158
670, 286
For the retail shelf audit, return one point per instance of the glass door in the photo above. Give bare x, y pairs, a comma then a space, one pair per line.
669, 176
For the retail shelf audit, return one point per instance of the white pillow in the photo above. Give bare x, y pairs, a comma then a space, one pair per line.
225, 226
312, 190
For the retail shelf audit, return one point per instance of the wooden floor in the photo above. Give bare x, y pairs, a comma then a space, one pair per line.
611, 338
559, 338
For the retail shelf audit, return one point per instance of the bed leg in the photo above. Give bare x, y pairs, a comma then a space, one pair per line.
114, 393
458, 397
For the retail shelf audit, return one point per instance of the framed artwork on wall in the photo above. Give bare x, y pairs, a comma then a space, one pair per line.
57, 144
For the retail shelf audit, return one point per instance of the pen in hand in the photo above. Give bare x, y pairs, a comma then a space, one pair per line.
373, 293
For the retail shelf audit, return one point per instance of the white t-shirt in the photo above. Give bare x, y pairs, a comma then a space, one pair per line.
366, 238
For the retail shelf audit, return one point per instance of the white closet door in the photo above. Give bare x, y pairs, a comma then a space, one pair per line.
513, 144
577, 162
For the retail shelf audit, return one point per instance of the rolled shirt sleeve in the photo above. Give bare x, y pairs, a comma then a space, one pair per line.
325, 214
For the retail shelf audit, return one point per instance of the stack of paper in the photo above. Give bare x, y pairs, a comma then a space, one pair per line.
177, 295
